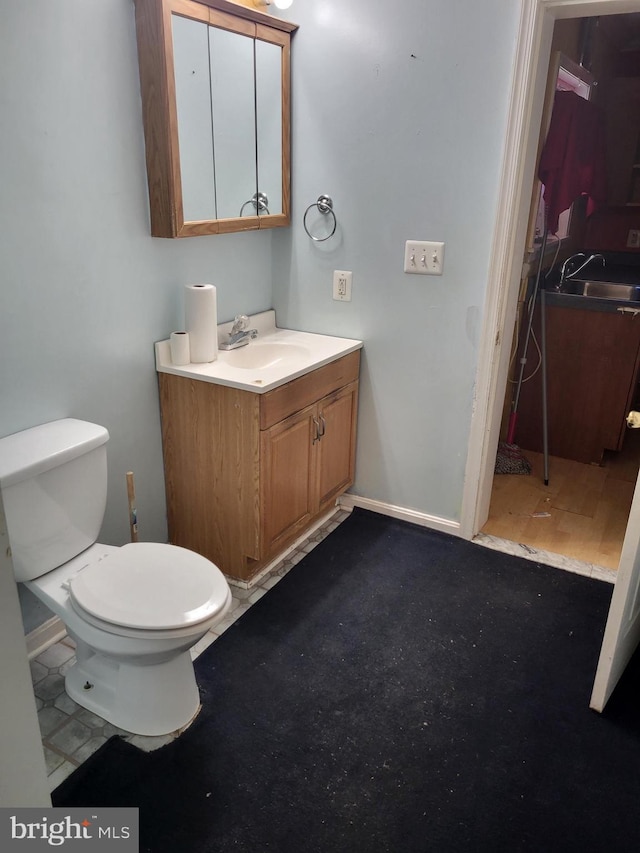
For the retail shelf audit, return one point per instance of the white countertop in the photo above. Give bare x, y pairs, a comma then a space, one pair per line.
274, 358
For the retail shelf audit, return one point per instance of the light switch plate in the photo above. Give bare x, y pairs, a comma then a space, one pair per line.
423, 257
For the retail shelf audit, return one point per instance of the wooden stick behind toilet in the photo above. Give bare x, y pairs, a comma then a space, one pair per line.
133, 515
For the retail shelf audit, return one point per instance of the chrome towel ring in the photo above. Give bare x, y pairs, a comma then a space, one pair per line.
259, 201
325, 207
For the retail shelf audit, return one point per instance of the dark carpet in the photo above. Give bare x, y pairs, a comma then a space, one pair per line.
399, 690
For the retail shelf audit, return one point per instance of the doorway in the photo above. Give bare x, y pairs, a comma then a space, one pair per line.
582, 512
532, 59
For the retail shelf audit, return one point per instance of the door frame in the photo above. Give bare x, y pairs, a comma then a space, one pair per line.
533, 50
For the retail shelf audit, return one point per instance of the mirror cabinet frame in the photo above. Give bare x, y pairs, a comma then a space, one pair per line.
158, 89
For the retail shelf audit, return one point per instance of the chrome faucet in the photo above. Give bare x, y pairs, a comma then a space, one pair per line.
239, 336
565, 274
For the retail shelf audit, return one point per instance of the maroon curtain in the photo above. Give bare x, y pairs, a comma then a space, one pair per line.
573, 158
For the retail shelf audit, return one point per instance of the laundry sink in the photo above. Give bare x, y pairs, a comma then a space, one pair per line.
602, 289
258, 355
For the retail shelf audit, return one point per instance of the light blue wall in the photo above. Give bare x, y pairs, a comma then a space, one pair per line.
399, 113
85, 289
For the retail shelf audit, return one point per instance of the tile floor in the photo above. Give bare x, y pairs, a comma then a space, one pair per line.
547, 558
70, 734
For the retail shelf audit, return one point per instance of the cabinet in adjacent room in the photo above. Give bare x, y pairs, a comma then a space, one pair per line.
593, 360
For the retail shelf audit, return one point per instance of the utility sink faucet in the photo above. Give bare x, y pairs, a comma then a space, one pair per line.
240, 335
567, 272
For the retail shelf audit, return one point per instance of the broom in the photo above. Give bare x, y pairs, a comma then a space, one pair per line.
509, 458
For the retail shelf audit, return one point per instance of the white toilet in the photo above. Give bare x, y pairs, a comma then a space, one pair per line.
134, 611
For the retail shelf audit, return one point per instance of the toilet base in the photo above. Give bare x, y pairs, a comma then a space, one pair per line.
147, 700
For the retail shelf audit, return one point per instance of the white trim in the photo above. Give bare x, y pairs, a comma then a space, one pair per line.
444, 525
45, 635
587, 8
622, 631
24, 775
527, 97
532, 55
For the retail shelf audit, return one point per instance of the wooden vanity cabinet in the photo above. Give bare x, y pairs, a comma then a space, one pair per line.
247, 473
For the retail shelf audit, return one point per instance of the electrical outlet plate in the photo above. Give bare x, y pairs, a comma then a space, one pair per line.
422, 257
633, 239
342, 285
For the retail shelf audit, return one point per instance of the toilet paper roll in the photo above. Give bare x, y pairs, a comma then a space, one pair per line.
201, 322
179, 345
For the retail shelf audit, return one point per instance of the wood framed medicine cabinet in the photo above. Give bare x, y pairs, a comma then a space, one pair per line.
215, 84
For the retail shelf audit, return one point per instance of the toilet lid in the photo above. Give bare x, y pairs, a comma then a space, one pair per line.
151, 586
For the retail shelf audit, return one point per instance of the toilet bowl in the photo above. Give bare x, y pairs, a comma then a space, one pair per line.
134, 611
134, 620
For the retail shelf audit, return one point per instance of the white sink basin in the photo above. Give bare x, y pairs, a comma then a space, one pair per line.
274, 358
258, 355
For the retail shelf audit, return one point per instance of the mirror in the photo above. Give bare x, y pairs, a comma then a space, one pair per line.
215, 91
269, 123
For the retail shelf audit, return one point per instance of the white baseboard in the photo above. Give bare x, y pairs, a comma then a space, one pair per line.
433, 522
45, 635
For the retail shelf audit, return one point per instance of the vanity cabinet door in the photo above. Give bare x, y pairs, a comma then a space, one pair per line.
307, 460
287, 478
336, 447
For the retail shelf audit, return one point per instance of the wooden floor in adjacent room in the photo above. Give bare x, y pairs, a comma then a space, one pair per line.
581, 514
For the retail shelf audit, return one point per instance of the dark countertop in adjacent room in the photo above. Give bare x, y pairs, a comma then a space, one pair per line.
619, 269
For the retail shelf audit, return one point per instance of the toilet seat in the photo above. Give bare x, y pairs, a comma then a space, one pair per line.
149, 586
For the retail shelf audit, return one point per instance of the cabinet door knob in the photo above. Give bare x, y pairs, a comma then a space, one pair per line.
317, 434
323, 426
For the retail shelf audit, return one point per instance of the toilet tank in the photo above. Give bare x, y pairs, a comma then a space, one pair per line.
53, 480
